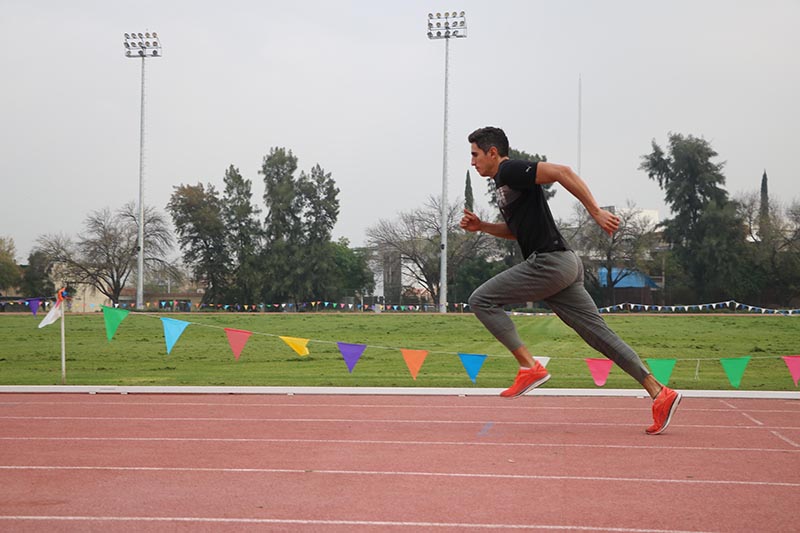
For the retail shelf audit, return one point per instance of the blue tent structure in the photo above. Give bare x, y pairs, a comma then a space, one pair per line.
633, 279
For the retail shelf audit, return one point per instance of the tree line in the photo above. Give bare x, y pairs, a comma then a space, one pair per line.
712, 248
232, 253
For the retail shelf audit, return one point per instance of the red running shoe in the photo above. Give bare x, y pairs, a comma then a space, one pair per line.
664, 406
526, 379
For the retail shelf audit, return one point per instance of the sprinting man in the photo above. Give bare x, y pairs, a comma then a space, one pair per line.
551, 271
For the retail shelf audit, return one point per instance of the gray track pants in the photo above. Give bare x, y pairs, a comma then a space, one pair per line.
556, 278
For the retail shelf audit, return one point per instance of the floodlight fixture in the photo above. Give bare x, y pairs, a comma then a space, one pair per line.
142, 45
451, 24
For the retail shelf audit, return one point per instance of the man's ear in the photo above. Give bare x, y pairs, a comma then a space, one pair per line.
493, 152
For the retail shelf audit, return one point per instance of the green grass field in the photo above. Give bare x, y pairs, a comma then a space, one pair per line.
137, 354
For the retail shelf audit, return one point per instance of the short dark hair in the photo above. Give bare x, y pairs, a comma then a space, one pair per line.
490, 136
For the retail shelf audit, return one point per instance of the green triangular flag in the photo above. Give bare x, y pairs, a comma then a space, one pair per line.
734, 368
662, 369
113, 318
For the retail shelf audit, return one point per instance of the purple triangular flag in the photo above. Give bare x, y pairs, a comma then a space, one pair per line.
351, 353
34, 305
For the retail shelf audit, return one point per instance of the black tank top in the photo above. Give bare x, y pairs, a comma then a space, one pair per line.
524, 208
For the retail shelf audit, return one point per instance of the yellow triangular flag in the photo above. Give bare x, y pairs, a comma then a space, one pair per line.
296, 344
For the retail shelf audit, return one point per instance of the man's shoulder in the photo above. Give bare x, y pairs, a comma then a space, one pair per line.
517, 172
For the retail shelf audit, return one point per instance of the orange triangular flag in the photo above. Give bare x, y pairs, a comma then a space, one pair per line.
296, 344
237, 338
414, 360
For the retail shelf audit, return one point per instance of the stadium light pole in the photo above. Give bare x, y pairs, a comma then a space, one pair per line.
144, 46
448, 26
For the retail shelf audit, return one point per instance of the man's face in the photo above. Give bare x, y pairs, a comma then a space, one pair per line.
485, 163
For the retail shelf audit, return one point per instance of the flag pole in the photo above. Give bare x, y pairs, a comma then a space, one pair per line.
63, 346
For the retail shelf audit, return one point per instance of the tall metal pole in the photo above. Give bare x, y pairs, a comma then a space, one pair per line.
451, 25
140, 263
443, 259
144, 46
579, 124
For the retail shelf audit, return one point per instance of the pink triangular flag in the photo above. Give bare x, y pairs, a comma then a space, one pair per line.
237, 338
793, 362
414, 360
599, 369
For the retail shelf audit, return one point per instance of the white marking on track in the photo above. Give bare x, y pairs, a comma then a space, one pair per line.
458, 475
752, 419
298, 522
234, 440
785, 439
367, 421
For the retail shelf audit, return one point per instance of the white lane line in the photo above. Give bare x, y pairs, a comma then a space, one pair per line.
372, 523
785, 439
366, 421
728, 404
351, 442
465, 406
752, 419
459, 475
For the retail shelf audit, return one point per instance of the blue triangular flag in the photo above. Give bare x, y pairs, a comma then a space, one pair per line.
173, 329
472, 364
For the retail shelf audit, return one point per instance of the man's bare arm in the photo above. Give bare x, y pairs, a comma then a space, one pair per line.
549, 173
471, 222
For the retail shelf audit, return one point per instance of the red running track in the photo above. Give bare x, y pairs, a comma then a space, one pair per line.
418, 463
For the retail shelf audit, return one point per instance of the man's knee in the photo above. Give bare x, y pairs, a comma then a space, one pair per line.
477, 300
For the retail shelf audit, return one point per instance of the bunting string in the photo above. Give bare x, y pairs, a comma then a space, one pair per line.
734, 367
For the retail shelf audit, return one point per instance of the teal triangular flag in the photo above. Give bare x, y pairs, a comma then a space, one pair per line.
472, 364
662, 369
173, 329
734, 368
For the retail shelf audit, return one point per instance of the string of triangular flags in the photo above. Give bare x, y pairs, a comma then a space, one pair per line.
33, 304
351, 352
237, 339
731, 305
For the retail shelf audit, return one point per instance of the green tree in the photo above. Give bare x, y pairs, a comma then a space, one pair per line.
692, 183
243, 236
301, 214
469, 199
197, 215
773, 238
9, 271
319, 209
351, 274
283, 232
36, 276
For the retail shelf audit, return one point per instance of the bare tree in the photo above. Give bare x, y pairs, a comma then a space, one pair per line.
105, 255
628, 249
416, 237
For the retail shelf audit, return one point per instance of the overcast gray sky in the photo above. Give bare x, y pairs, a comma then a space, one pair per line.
357, 87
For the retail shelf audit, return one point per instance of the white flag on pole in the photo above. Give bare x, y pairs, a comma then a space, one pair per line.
52, 316
57, 311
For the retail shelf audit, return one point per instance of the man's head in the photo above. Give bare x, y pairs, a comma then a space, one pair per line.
489, 146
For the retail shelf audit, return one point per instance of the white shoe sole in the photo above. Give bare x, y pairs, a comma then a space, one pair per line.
532, 386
